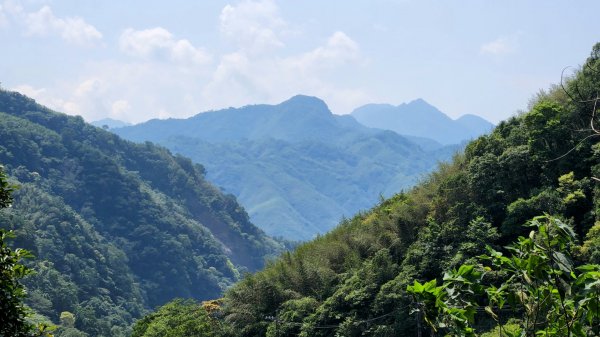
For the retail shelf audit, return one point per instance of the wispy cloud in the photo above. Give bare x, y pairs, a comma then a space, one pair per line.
43, 22
72, 29
339, 49
500, 46
158, 43
255, 26
3, 17
256, 71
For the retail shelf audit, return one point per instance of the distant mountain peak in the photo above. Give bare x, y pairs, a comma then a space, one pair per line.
422, 105
419, 101
421, 119
305, 102
110, 123
470, 116
305, 99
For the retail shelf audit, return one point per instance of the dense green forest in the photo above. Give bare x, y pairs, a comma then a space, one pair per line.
295, 166
116, 228
359, 279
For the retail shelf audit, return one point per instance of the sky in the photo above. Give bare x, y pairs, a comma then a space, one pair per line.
137, 60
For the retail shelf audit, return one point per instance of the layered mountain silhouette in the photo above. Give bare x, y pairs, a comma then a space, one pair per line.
421, 119
295, 166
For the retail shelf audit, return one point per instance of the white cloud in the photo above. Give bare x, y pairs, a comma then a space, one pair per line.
48, 98
243, 77
131, 92
43, 22
29, 90
255, 26
502, 45
260, 71
72, 29
86, 98
159, 43
339, 49
12, 8
120, 109
91, 85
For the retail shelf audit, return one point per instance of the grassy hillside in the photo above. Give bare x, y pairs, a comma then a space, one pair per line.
117, 228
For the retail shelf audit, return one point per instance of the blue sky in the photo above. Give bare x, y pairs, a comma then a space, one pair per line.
137, 60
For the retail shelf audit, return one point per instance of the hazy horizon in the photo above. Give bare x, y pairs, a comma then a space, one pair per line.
140, 60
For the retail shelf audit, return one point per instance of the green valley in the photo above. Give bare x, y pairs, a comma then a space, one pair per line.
296, 167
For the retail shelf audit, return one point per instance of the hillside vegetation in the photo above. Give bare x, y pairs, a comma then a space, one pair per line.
117, 228
295, 166
353, 281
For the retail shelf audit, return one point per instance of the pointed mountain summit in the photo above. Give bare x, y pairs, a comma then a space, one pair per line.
299, 118
421, 119
305, 104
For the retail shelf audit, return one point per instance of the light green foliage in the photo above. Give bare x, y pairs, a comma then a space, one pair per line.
571, 190
591, 246
509, 329
67, 319
179, 318
538, 281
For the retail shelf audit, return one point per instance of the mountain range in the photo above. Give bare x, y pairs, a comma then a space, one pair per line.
421, 119
295, 166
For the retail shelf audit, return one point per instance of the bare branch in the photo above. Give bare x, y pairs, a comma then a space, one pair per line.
562, 73
573, 148
594, 115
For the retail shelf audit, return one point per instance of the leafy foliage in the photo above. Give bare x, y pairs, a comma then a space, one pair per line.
538, 281
178, 318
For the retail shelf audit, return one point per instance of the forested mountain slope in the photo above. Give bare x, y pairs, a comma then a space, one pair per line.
295, 166
116, 227
353, 281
